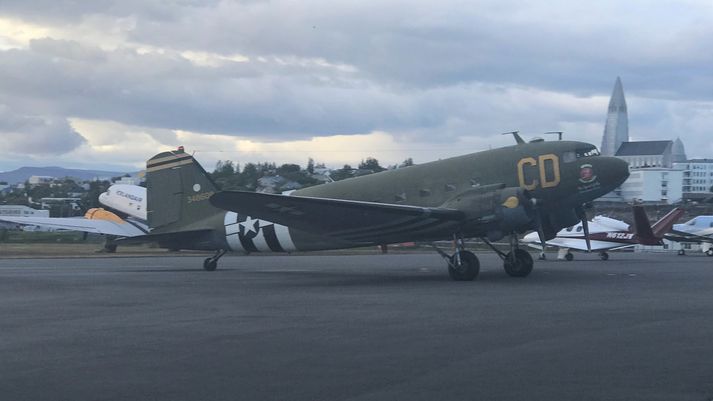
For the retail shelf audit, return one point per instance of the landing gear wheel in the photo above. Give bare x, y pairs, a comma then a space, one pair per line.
463, 266
520, 265
709, 252
603, 256
569, 256
210, 264
681, 252
542, 256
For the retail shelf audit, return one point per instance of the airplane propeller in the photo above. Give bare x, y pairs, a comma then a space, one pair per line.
538, 222
582, 215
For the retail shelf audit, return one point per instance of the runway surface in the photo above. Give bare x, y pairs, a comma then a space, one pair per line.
376, 327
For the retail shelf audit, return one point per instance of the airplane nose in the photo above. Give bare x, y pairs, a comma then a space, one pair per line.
614, 171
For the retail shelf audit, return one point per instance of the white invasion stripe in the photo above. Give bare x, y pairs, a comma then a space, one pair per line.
283, 237
260, 242
233, 241
232, 229
231, 232
230, 218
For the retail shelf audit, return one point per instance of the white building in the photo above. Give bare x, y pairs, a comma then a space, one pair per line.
697, 175
653, 185
40, 179
20, 210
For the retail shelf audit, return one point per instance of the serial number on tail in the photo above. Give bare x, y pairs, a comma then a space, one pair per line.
200, 197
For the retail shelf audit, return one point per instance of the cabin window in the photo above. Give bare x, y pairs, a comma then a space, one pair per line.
568, 157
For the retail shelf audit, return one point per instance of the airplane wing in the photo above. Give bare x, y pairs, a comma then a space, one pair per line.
680, 236
344, 219
580, 244
97, 226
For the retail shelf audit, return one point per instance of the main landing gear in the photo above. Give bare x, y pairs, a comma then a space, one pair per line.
517, 262
462, 265
603, 255
211, 263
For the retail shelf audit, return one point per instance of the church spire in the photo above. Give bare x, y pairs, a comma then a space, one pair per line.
616, 130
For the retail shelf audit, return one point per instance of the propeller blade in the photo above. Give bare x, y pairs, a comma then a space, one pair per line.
585, 226
538, 222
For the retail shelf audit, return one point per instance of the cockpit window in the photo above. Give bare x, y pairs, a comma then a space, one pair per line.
587, 152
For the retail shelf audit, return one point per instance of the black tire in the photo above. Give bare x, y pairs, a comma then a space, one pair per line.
521, 266
709, 252
604, 256
569, 256
468, 268
210, 265
542, 256
681, 252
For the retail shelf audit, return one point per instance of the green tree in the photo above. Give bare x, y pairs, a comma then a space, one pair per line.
345, 172
371, 164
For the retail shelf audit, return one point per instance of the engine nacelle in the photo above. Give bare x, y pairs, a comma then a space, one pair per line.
516, 210
98, 213
503, 210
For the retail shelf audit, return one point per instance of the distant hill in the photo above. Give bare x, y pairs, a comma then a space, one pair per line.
23, 173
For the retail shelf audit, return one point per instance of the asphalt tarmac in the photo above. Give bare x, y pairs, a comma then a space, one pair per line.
374, 327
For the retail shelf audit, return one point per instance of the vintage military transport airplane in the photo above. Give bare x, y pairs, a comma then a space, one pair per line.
488, 195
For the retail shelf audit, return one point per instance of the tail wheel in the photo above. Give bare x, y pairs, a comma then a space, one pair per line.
569, 256
604, 256
210, 264
463, 266
681, 252
518, 263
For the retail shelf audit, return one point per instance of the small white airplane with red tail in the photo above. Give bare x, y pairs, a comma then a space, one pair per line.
603, 234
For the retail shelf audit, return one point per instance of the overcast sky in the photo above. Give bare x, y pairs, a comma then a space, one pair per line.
107, 84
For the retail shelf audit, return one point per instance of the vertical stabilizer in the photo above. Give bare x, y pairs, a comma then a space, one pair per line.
652, 235
642, 227
664, 225
177, 189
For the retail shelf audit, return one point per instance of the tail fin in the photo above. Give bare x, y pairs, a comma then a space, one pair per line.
652, 235
642, 227
177, 189
664, 225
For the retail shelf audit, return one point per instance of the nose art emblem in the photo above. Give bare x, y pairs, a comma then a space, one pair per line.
586, 173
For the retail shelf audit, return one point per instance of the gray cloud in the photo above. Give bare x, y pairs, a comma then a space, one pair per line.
418, 69
36, 135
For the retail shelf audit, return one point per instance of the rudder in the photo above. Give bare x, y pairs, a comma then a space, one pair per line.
177, 189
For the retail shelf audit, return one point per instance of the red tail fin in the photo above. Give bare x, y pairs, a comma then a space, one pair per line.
664, 225
652, 235
642, 228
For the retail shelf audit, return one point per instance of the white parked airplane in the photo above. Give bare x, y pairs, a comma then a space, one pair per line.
698, 230
129, 201
607, 234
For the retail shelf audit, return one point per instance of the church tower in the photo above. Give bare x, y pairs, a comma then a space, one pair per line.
616, 130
